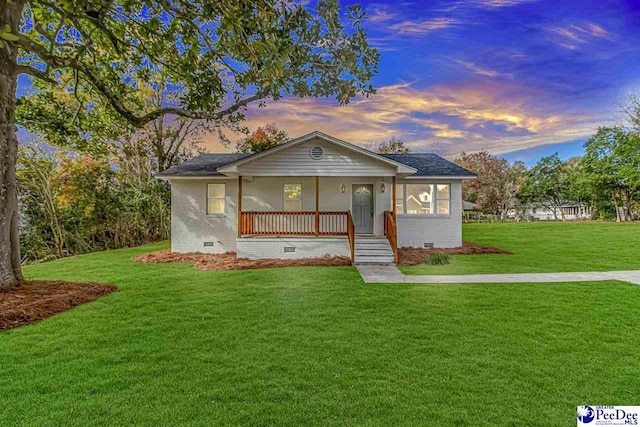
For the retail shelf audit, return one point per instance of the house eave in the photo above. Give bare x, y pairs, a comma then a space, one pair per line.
440, 177
186, 177
232, 168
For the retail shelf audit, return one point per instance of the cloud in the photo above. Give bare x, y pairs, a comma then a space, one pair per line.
456, 117
380, 14
502, 3
423, 27
475, 69
572, 36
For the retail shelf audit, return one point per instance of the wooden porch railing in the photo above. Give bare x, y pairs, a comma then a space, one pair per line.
294, 223
391, 231
351, 232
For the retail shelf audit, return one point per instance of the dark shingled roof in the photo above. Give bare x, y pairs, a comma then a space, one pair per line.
430, 164
203, 165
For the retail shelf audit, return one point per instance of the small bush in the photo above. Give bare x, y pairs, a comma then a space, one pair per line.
441, 258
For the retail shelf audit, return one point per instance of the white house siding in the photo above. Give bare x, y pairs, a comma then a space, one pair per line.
266, 194
443, 231
191, 227
270, 247
335, 161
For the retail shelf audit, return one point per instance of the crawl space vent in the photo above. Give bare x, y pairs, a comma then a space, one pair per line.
289, 249
428, 245
316, 153
206, 244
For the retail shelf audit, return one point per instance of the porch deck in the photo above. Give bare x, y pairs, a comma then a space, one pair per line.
312, 224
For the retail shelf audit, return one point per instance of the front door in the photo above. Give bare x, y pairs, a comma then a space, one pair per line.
362, 208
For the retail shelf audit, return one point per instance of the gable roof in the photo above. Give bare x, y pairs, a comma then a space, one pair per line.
413, 164
402, 168
203, 165
431, 164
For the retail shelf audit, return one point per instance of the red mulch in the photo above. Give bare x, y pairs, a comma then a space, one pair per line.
229, 261
413, 256
38, 299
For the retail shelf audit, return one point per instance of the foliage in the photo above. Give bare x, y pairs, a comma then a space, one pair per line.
68, 120
495, 189
393, 146
76, 203
547, 183
612, 167
440, 258
220, 56
261, 139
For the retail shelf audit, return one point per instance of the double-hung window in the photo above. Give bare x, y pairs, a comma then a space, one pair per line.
443, 199
215, 199
423, 199
292, 197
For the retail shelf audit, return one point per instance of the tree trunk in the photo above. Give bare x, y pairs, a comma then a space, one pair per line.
615, 203
628, 212
10, 271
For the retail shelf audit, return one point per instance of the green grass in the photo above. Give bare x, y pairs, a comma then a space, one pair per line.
316, 346
545, 247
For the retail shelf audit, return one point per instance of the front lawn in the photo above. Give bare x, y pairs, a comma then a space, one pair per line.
314, 345
545, 247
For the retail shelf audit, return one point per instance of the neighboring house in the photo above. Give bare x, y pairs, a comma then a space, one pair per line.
312, 196
469, 206
570, 211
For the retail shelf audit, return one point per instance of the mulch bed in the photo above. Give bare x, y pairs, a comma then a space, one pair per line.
413, 256
229, 261
38, 299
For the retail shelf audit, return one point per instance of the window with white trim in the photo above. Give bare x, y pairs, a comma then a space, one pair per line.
292, 197
423, 199
399, 199
443, 199
215, 199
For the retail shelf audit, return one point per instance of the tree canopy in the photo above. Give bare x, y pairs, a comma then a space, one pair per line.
220, 56
393, 146
261, 139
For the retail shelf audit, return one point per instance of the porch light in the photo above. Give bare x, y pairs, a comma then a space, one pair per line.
343, 188
382, 188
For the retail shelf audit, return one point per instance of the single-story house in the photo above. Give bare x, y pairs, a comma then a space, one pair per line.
569, 211
313, 196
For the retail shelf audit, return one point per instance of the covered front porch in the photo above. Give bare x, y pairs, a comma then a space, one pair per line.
326, 208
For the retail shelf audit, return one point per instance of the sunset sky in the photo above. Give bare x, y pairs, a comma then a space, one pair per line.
520, 78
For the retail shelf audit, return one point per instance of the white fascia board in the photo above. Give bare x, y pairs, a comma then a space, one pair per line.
439, 177
233, 167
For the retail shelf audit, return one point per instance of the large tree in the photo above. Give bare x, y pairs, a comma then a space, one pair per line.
393, 146
261, 139
548, 183
612, 164
66, 117
494, 190
223, 56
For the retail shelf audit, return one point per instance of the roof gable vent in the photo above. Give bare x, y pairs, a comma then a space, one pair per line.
316, 153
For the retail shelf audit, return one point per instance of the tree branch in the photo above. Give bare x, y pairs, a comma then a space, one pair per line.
90, 74
34, 72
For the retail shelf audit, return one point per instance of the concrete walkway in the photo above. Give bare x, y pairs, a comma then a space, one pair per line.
390, 274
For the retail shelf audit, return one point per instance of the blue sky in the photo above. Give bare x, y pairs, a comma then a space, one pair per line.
519, 78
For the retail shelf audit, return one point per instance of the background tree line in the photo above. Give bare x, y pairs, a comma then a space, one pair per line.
606, 177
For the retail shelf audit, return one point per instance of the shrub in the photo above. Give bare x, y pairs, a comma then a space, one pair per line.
441, 258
